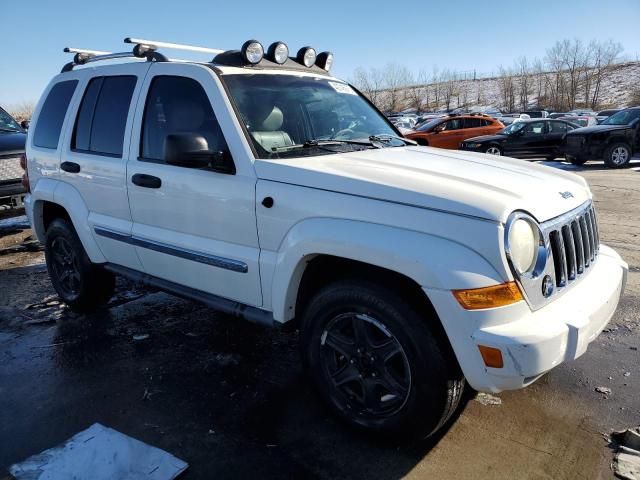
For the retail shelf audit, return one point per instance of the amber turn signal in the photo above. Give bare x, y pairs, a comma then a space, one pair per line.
492, 357
488, 297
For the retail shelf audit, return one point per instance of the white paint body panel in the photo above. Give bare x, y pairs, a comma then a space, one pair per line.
435, 216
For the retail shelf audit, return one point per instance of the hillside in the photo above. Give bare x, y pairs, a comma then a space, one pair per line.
616, 91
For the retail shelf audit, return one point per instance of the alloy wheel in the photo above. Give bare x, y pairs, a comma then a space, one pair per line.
366, 366
65, 266
619, 156
493, 151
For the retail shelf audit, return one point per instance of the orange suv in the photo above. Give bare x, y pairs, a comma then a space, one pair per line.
448, 132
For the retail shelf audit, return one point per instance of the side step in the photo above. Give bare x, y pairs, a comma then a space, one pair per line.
230, 307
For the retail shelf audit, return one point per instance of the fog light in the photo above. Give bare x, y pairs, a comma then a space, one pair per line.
252, 51
325, 60
278, 52
306, 56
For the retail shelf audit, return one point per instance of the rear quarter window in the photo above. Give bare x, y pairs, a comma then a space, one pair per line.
52, 113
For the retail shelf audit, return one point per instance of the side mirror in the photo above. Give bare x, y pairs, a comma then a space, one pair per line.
191, 150
25, 124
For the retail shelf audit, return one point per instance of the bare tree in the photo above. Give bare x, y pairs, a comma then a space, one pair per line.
506, 86
524, 81
603, 57
370, 83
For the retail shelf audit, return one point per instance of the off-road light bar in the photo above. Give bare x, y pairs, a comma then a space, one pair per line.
306, 56
325, 60
252, 51
278, 52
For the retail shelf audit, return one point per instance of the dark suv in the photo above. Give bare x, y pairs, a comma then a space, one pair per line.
12, 141
615, 140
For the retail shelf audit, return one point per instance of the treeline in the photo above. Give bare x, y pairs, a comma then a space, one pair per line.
569, 76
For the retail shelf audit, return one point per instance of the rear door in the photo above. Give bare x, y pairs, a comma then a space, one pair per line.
192, 226
93, 159
473, 127
557, 130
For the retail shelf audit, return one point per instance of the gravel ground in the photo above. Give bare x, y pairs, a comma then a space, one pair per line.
229, 397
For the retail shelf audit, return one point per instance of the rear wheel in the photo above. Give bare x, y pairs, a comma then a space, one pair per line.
617, 155
376, 363
79, 283
493, 150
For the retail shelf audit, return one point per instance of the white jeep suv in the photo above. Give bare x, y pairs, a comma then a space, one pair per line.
261, 185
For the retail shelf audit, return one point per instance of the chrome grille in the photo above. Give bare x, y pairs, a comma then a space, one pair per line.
574, 243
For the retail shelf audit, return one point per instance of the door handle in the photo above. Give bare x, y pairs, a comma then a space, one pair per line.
70, 167
146, 181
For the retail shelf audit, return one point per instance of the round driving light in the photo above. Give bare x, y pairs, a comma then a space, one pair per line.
278, 52
252, 51
523, 240
307, 56
325, 60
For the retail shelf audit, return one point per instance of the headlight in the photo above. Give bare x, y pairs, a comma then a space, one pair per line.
474, 145
278, 52
252, 51
522, 242
306, 56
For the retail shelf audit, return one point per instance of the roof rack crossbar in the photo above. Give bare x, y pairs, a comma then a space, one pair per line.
83, 56
154, 44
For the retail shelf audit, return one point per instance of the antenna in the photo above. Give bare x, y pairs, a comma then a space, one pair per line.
154, 44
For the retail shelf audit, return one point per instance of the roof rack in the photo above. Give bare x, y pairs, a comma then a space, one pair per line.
154, 44
83, 56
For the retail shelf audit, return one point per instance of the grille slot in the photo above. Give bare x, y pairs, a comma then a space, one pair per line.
574, 245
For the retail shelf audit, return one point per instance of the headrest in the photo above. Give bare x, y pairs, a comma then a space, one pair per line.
185, 115
273, 122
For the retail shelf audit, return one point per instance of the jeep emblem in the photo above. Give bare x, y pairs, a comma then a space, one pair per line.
566, 195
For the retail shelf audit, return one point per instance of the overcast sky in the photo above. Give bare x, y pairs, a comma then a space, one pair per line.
459, 35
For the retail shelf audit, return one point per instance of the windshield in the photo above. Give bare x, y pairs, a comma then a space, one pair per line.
7, 123
513, 128
294, 115
624, 117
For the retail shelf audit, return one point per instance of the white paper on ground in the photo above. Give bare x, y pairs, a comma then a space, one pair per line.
99, 453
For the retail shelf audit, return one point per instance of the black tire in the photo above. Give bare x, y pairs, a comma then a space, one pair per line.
494, 150
396, 408
79, 283
617, 155
575, 160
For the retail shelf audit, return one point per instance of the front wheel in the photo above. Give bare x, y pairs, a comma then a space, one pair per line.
80, 284
617, 155
494, 150
377, 363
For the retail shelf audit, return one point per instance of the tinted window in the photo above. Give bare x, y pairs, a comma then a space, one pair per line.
110, 115
177, 105
558, 127
472, 122
82, 132
485, 123
535, 128
454, 124
49, 124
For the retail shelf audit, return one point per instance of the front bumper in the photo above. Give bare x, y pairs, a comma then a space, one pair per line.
532, 343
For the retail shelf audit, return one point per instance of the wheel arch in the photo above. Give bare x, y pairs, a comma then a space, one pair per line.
346, 247
52, 199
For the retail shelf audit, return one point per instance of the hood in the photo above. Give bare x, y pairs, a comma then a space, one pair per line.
596, 129
465, 183
12, 142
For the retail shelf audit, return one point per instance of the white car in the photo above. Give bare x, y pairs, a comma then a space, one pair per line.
262, 186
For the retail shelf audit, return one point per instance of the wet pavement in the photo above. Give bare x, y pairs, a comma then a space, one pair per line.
230, 398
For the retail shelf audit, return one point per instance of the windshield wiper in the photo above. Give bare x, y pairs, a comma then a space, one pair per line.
387, 138
2, 129
315, 143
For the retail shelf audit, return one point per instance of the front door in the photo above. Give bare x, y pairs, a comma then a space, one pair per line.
528, 142
192, 226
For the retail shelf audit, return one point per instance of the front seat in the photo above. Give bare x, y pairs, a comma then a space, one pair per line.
268, 133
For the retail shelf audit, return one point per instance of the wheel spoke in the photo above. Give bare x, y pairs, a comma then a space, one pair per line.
371, 398
348, 373
389, 382
387, 349
360, 331
340, 343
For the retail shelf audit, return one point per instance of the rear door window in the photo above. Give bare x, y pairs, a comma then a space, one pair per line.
472, 122
102, 117
54, 109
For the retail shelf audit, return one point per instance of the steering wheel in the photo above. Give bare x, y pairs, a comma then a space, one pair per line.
344, 131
